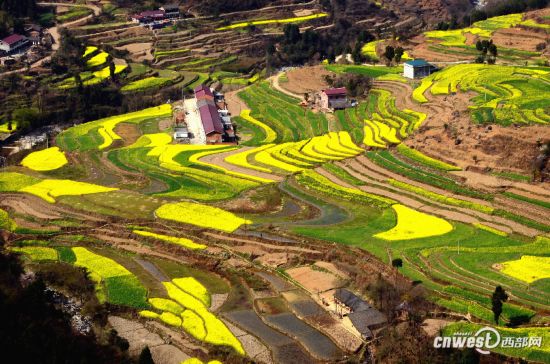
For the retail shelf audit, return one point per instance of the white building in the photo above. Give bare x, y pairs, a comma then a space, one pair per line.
13, 43
418, 68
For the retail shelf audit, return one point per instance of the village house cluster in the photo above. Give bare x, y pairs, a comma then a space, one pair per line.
156, 19
31, 44
204, 119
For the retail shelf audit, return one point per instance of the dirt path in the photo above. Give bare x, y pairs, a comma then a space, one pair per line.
218, 159
274, 81
234, 103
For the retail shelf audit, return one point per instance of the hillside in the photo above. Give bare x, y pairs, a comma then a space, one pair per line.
276, 182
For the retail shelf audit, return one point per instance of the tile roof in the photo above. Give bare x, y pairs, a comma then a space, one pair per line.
335, 91
210, 118
418, 63
14, 38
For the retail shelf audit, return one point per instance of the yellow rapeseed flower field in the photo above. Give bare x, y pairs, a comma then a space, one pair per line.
187, 243
194, 288
45, 160
201, 215
270, 134
412, 224
528, 269
48, 189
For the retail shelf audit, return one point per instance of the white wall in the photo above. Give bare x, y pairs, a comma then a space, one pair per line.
408, 71
4, 47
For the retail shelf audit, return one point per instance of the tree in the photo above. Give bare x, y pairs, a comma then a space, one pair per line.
292, 33
499, 296
398, 54
397, 263
112, 69
10, 126
145, 356
389, 54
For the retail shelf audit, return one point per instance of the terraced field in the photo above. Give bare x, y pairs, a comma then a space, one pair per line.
198, 240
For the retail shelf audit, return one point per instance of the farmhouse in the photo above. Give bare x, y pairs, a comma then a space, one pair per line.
13, 43
149, 16
334, 98
362, 316
171, 11
418, 68
216, 123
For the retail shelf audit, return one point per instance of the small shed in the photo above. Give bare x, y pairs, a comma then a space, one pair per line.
334, 98
418, 68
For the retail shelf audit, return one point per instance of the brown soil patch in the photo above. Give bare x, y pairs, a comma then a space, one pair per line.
421, 49
234, 103
275, 260
314, 280
139, 51
332, 268
128, 132
472, 146
518, 38
306, 79
433, 326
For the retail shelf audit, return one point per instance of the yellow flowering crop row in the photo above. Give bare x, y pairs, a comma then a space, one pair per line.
345, 141
241, 159
98, 59
37, 253
194, 288
270, 134
6, 223
201, 215
295, 156
48, 189
491, 229
195, 159
528, 269
170, 319
369, 49
371, 139
89, 50
186, 243
68, 138
297, 19
102, 266
163, 304
184, 298
198, 361
193, 315
412, 224
382, 132
281, 162
193, 324
312, 179
45, 160
149, 314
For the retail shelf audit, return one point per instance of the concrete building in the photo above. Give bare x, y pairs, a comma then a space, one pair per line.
418, 68
13, 43
334, 98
